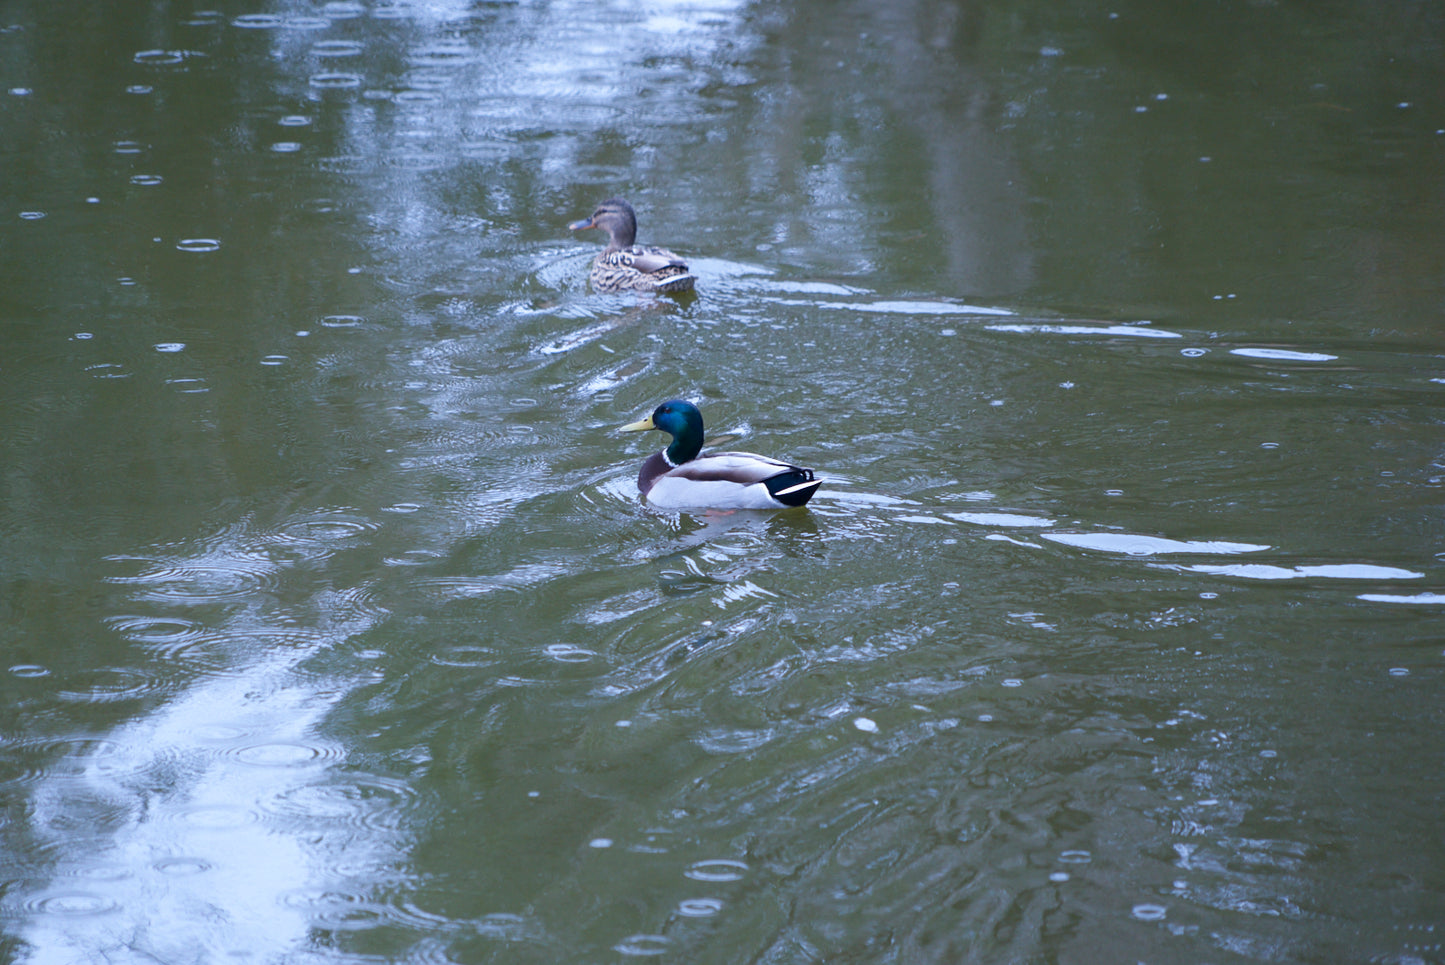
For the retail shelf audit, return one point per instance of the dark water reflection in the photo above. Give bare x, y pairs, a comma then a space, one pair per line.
334, 630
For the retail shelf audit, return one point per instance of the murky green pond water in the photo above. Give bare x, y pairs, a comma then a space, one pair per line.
334, 629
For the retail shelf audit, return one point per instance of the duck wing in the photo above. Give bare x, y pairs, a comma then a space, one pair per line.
743, 468
645, 258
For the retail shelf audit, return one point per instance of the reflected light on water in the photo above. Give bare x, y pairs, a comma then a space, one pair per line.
337, 629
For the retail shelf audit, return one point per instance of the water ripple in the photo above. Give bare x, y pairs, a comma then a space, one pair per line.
48, 758
643, 945
337, 48
336, 80
298, 753
717, 869
214, 580
338, 911
352, 801
70, 904
257, 21
319, 530
111, 684
165, 632
165, 58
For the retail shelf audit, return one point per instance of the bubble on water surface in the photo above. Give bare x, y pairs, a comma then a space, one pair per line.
442, 53
413, 95
699, 907
29, 670
336, 80
285, 147
295, 120
31, 215
160, 58
198, 245
342, 10
1193, 353
866, 725
181, 866
1148, 911
642, 945
337, 48
1075, 856
717, 869
465, 655
274, 360
146, 180
189, 386
567, 653
257, 21
342, 321
169, 347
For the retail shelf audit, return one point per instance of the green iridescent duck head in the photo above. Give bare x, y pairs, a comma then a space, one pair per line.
615, 217
679, 419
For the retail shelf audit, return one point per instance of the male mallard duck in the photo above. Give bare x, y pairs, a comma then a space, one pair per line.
625, 266
678, 478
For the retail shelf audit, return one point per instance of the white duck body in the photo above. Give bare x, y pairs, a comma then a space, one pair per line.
683, 477
723, 480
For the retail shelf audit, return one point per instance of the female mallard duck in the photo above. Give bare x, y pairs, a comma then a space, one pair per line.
626, 266
679, 478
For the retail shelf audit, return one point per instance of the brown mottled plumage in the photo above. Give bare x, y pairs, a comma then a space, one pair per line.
626, 266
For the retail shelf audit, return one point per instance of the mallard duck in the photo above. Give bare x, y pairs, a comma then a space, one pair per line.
626, 266
679, 478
